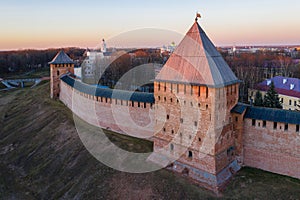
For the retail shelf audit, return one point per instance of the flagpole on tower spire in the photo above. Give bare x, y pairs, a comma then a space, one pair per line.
197, 16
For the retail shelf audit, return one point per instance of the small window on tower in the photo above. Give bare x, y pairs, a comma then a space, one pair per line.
57, 73
172, 147
264, 124
190, 155
253, 122
286, 127
297, 128
275, 126
206, 92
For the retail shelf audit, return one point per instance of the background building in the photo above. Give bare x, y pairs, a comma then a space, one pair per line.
288, 90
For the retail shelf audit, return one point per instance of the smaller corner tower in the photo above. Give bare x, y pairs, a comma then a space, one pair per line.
60, 65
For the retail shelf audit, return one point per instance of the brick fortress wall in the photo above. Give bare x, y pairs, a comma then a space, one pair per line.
125, 117
273, 147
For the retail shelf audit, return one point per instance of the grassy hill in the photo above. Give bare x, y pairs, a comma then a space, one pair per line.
42, 157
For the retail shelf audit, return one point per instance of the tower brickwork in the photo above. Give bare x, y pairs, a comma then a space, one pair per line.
194, 94
60, 65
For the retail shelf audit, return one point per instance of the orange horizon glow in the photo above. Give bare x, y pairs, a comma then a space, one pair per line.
43, 25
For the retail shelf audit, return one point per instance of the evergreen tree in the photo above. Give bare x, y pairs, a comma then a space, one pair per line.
271, 99
258, 99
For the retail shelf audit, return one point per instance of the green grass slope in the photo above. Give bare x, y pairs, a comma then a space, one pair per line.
42, 157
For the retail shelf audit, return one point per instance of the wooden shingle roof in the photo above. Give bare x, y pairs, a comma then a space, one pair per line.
62, 58
197, 61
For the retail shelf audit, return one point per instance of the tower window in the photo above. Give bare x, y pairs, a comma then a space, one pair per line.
275, 126
190, 154
158, 86
57, 73
297, 128
286, 127
206, 92
165, 99
196, 123
168, 116
172, 147
253, 122
264, 123
181, 120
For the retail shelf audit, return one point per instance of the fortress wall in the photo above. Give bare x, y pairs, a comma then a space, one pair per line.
125, 117
272, 150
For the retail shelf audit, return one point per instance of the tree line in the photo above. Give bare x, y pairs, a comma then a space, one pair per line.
253, 68
12, 62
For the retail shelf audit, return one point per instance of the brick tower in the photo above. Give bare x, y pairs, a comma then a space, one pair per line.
60, 65
194, 94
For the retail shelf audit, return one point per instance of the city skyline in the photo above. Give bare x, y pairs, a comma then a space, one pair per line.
40, 25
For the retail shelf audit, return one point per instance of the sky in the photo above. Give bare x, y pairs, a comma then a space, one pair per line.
63, 23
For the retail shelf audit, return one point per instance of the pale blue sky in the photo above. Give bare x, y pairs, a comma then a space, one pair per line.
57, 23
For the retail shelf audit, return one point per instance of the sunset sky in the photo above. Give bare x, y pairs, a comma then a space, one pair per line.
60, 23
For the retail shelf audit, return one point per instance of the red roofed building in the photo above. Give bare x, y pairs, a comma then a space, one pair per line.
288, 90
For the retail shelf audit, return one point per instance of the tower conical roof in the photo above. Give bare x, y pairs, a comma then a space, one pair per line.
197, 61
62, 58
